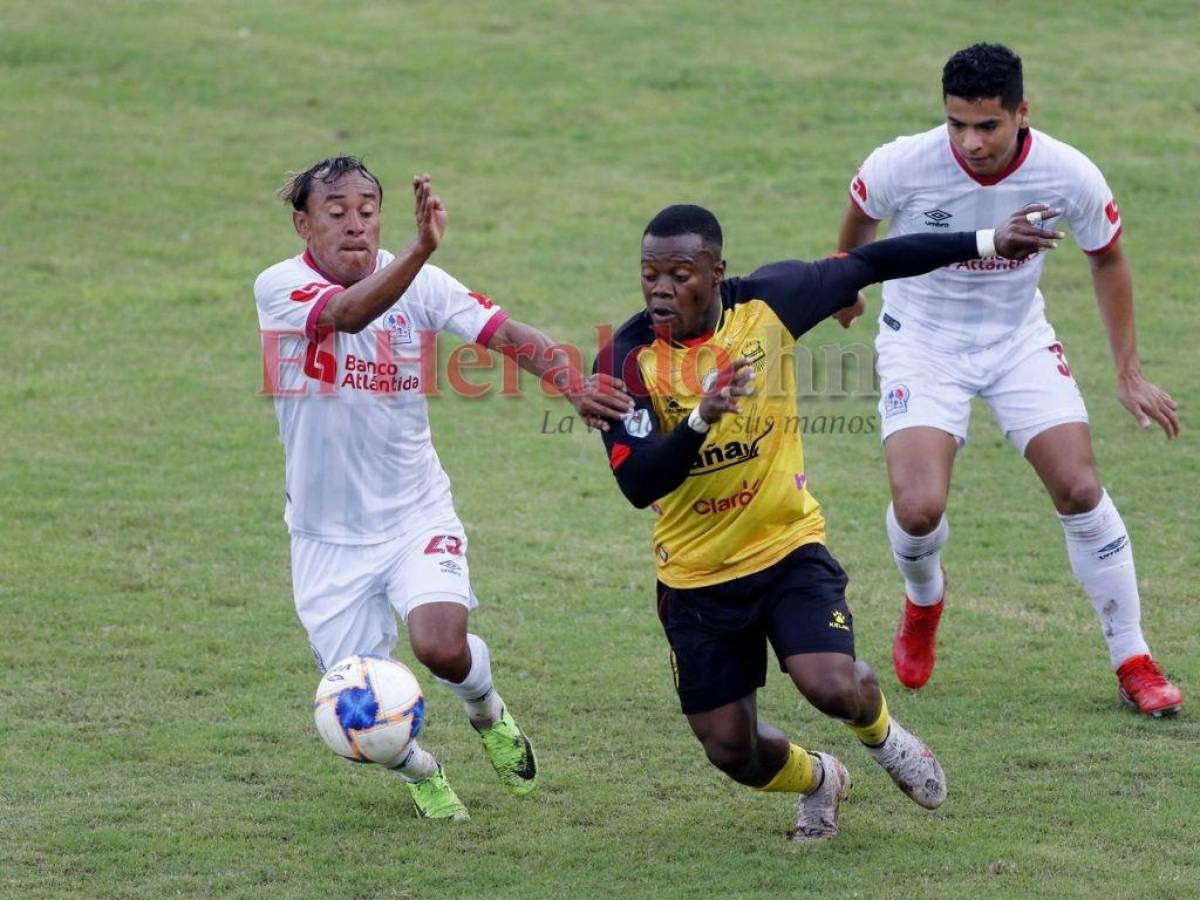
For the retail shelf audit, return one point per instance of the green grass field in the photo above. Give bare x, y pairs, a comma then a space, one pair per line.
155, 727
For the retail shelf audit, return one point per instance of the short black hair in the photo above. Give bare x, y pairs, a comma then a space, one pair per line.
983, 71
299, 184
686, 218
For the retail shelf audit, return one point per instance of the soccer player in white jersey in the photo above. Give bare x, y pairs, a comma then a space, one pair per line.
979, 329
348, 354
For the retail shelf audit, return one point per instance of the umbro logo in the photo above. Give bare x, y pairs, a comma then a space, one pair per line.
936, 218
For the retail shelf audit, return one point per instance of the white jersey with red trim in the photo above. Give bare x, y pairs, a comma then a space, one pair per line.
923, 185
360, 467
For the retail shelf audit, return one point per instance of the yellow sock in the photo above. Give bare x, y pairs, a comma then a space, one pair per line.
876, 733
796, 776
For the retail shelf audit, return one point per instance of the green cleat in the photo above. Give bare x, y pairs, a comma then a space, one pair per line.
511, 754
433, 798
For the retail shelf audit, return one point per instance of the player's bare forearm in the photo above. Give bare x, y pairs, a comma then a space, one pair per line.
362, 303
1113, 284
597, 398
857, 229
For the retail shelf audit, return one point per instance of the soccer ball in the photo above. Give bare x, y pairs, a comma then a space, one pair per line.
369, 709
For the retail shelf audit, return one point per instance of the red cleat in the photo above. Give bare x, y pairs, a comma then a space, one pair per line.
915, 646
1144, 686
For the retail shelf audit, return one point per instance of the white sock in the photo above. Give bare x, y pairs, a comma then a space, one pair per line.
476, 691
1102, 560
919, 559
418, 765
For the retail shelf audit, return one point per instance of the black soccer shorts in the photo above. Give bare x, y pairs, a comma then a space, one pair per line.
718, 634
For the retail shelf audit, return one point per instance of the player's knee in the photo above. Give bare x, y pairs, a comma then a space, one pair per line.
919, 515
841, 694
446, 658
1079, 495
737, 759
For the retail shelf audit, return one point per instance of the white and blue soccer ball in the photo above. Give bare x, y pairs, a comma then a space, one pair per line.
369, 709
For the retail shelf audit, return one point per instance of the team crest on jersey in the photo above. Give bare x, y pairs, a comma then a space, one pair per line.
637, 422
397, 326
754, 352
896, 401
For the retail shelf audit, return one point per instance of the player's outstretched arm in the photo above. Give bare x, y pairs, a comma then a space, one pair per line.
1113, 284
359, 305
804, 294
597, 398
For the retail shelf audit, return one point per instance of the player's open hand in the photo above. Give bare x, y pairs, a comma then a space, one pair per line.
733, 382
847, 314
1021, 235
598, 398
1146, 400
430, 213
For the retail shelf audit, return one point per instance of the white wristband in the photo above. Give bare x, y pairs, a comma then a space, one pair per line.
696, 423
985, 242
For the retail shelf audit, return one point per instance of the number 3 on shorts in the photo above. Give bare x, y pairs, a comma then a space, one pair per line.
1064, 367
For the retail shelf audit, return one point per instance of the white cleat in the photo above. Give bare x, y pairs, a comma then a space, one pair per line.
817, 813
912, 766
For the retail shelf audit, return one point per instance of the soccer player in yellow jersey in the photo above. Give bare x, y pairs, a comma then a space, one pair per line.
713, 444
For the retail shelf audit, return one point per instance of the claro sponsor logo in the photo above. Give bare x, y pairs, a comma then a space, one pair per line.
711, 506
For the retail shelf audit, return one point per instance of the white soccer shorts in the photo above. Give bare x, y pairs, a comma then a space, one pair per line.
348, 595
1025, 380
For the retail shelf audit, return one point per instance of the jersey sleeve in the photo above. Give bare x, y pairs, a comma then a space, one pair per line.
292, 298
447, 305
804, 294
647, 464
873, 188
1091, 210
